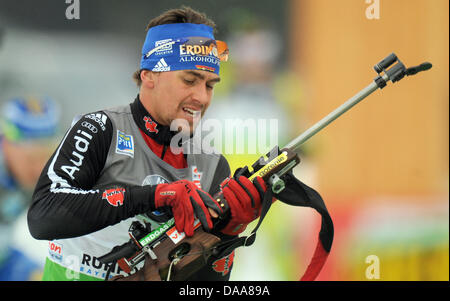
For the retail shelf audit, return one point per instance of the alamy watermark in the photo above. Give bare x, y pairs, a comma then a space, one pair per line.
373, 270
373, 10
73, 10
227, 136
73, 266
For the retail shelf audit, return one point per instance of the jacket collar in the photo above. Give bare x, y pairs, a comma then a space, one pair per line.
160, 133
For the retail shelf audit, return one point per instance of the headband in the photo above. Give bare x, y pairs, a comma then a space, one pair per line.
182, 46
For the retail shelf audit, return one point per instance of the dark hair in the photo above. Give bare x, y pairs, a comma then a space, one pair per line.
183, 14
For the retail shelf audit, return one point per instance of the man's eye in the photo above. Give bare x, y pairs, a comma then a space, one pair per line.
189, 82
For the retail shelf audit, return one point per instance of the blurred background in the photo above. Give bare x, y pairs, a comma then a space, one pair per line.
382, 168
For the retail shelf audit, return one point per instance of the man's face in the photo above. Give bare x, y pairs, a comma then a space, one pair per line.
182, 95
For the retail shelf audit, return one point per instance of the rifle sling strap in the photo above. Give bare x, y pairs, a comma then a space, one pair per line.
295, 193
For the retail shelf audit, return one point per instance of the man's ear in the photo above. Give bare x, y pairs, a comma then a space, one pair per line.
148, 78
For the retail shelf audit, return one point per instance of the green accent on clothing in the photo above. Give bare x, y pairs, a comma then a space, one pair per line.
56, 272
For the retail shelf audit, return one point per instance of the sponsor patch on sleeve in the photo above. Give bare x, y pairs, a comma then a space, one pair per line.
125, 144
114, 196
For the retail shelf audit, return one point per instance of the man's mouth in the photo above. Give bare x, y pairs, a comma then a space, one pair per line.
191, 111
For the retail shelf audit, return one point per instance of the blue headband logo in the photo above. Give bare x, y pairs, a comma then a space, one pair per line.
164, 47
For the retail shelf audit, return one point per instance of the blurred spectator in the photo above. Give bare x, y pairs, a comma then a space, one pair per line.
28, 127
255, 57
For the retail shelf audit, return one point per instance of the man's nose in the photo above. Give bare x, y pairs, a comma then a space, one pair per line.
201, 95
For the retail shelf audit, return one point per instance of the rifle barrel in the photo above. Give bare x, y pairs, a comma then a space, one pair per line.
302, 138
